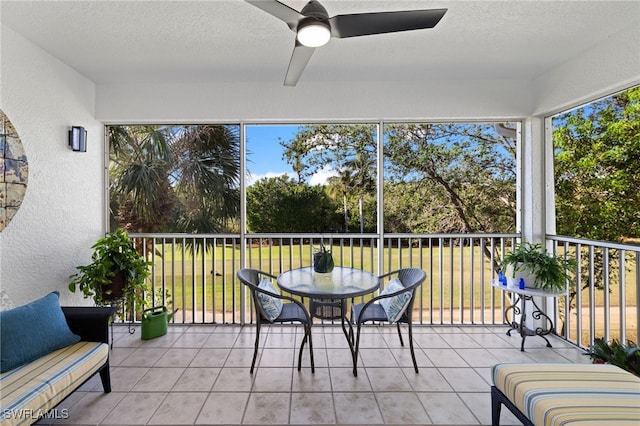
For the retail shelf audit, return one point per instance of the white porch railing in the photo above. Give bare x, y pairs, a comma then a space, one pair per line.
202, 284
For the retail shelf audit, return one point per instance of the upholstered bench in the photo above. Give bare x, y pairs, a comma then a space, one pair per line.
42, 360
566, 394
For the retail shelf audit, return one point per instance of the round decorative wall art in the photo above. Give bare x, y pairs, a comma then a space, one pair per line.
14, 171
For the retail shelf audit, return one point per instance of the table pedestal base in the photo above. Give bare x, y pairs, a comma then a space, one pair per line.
520, 326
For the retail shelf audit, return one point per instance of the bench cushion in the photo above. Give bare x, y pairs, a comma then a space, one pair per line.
570, 394
33, 389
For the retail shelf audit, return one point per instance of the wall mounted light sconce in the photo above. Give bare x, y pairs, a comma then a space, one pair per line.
78, 139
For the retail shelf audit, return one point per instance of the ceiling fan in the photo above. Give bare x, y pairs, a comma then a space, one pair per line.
314, 28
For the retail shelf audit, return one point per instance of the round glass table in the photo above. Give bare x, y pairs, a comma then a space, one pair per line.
341, 283
328, 292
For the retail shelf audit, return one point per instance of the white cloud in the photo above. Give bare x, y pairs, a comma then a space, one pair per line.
322, 176
253, 178
319, 178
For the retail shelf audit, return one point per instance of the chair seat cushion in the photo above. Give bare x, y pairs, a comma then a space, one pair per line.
292, 312
375, 312
38, 386
568, 394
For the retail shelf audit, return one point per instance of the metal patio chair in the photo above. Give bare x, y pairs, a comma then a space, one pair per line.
292, 310
373, 310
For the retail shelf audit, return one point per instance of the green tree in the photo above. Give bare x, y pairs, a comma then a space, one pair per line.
280, 204
463, 173
350, 151
597, 169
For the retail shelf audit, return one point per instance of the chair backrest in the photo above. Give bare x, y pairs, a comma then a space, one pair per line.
251, 278
411, 278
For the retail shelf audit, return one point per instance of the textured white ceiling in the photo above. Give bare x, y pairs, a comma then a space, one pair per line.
231, 40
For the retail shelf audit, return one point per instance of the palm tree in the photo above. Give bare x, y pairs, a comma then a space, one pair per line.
174, 178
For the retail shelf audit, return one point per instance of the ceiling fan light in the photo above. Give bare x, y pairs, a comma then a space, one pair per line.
314, 34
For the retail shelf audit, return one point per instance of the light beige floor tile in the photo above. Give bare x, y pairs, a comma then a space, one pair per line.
221, 340
370, 357
478, 357
126, 340
447, 408
165, 341
312, 409
158, 379
241, 357
511, 355
210, 357
342, 380
234, 380
445, 358
427, 380
305, 381
199, 379
403, 357
177, 357
136, 408
319, 358
339, 357
191, 340
479, 403
272, 380
123, 379
388, 380
496, 340
402, 408
90, 408
459, 340
267, 409
357, 408
143, 357
281, 340
118, 355
464, 379
545, 355
430, 341
272, 357
336, 340
223, 408
247, 338
179, 409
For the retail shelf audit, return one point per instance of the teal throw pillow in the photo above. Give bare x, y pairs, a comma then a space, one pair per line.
33, 330
272, 305
395, 306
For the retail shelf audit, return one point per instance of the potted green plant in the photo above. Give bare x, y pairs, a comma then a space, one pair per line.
537, 267
323, 260
626, 357
117, 271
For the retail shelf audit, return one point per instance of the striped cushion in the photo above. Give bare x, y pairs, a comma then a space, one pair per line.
571, 394
33, 389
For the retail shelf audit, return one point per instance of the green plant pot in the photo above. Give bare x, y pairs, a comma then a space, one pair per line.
322, 262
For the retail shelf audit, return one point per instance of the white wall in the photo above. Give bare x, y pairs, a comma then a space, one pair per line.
62, 212
231, 102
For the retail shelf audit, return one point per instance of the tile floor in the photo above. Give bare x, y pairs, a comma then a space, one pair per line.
199, 375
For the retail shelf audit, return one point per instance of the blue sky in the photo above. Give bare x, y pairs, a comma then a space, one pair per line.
264, 153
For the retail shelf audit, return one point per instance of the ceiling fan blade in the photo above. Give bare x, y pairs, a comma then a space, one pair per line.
299, 59
279, 10
360, 24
